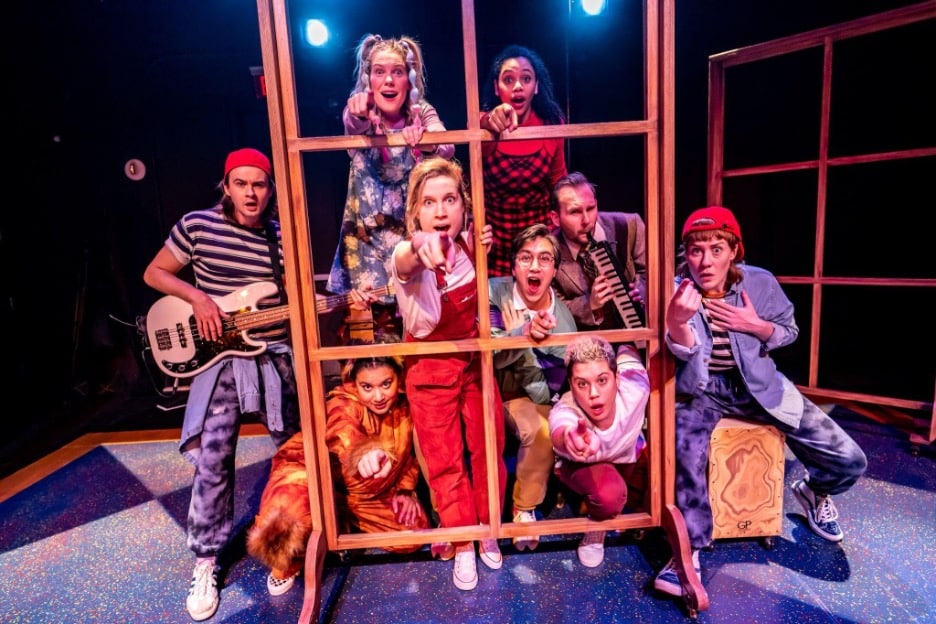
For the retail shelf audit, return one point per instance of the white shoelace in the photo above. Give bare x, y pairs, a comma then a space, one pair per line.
203, 579
825, 510
465, 566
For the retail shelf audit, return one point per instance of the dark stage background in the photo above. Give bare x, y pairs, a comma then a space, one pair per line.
94, 83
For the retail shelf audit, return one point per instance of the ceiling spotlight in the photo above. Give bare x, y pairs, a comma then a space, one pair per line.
316, 32
594, 7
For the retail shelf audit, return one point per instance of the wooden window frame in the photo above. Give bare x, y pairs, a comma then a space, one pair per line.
657, 127
824, 38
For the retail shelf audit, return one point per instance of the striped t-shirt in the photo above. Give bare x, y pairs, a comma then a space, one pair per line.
226, 256
722, 357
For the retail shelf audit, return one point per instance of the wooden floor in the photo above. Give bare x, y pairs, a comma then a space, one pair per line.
45, 466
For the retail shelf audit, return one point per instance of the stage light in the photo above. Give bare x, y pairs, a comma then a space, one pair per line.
593, 7
316, 32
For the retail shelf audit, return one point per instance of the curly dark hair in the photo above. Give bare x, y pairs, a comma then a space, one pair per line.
544, 102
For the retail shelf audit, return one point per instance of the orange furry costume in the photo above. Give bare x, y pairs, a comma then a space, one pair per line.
281, 529
351, 431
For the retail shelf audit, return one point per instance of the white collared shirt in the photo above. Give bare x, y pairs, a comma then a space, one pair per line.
520, 305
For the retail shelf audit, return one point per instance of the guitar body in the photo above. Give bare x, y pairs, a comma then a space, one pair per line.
179, 350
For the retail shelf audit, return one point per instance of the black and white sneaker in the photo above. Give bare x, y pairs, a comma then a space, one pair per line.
278, 586
667, 581
820, 511
202, 601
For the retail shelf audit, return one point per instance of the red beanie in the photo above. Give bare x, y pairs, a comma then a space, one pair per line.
247, 157
714, 218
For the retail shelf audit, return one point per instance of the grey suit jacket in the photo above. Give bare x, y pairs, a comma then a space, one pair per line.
627, 235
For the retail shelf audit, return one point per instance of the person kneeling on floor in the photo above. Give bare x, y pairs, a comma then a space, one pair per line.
596, 431
369, 434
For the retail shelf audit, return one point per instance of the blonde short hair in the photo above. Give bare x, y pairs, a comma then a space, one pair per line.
427, 169
588, 348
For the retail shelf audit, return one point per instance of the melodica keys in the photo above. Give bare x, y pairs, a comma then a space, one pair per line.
609, 266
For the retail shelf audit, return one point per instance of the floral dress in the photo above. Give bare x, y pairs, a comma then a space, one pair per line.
373, 221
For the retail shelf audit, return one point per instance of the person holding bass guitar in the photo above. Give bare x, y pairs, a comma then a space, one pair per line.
231, 246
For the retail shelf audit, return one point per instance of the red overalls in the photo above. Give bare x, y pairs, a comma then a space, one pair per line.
441, 387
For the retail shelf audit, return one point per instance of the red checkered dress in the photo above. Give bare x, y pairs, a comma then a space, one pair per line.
518, 180
516, 196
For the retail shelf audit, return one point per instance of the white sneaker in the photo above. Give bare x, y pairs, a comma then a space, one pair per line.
465, 572
202, 601
526, 542
591, 549
491, 554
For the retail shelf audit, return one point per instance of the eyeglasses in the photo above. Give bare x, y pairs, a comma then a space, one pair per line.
525, 259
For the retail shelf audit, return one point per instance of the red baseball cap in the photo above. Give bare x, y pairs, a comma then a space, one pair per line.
247, 157
714, 218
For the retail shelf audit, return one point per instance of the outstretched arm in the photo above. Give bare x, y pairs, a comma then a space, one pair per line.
576, 442
360, 114
425, 250
502, 118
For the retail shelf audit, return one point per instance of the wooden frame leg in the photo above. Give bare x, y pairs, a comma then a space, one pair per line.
314, 564
693, 592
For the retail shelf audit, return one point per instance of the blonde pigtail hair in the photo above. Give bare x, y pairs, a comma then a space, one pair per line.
417, 75
409, 49
363, 54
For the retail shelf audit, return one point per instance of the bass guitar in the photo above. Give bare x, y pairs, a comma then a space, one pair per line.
180, 351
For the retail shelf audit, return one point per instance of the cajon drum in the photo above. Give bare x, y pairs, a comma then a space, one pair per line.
746, 466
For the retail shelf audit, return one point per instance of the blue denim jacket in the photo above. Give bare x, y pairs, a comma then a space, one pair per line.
770, 388
249, 374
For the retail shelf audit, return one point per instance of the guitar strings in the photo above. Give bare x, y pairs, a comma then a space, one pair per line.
257, 318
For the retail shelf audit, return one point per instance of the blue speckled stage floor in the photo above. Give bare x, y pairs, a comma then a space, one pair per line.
103, 540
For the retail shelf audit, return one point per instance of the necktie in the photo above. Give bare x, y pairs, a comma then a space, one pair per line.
588, 266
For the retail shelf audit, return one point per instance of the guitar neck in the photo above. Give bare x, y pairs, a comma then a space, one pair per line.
260, 318
335, 302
